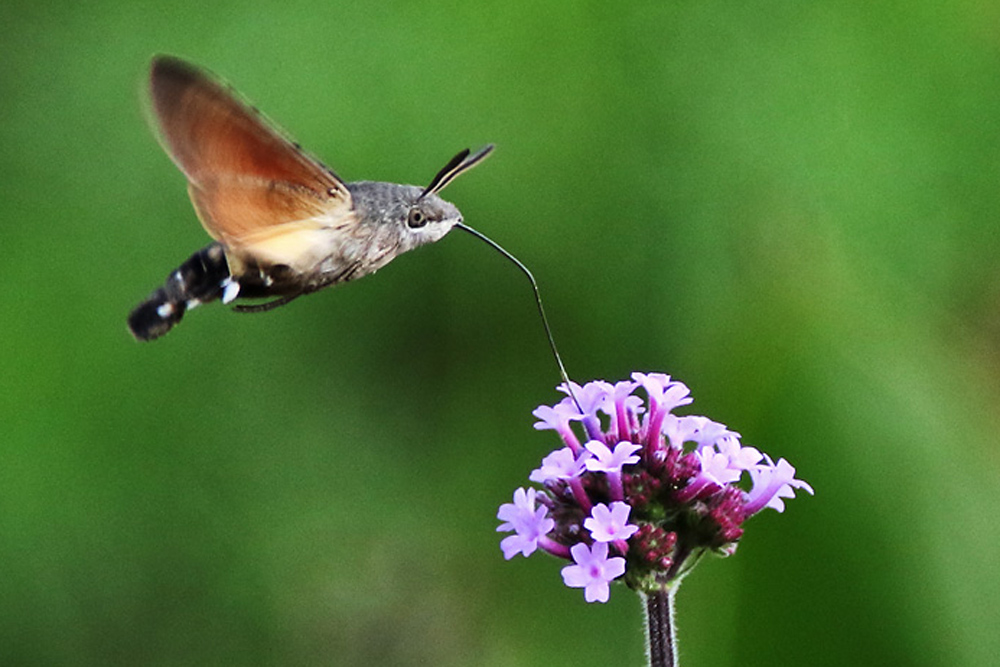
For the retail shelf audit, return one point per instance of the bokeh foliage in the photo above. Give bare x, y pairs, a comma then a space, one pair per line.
790, 206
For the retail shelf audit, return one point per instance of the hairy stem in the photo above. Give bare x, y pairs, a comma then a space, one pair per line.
661, 637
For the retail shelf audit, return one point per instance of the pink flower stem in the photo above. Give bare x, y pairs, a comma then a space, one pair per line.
621, 417
580, 494
615, 489
593, 427
551, 546
570, 439
653, 427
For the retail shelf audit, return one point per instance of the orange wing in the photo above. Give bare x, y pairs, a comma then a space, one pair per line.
246, 180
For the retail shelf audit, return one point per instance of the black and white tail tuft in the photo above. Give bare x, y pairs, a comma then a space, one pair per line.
202, 278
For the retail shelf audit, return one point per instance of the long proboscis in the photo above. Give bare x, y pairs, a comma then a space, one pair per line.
538, 301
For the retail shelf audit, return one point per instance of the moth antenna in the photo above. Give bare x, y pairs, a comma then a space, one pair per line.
538, 297
459, 164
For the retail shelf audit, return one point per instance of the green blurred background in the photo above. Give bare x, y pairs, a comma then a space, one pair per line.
792, 207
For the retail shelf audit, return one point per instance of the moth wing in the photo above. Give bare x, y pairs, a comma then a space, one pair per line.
245, 178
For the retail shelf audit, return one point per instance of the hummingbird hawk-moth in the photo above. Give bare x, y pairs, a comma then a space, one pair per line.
283, 223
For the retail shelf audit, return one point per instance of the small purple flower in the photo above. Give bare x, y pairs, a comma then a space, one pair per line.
740, 458
680, 430
706, 432
665, 394
771, 483
716, 467
558, 418
561, 464
611, 462
529, 522
593, 570
610, 524
606, 460
654, 384
565, 466
716, 472
593, 396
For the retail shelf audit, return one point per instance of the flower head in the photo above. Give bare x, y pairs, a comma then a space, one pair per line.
646, 494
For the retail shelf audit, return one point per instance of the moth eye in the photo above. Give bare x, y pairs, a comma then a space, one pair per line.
416, 218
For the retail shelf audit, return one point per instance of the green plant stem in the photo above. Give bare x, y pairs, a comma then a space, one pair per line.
661, 637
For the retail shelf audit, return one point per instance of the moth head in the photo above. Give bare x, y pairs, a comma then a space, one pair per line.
417, 215
434, 214
407, 216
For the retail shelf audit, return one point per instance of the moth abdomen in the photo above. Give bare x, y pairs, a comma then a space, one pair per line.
202, 278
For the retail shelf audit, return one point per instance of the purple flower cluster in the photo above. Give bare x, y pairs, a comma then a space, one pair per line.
645, 493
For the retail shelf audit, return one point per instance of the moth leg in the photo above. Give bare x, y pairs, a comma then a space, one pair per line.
264, 307
347, 273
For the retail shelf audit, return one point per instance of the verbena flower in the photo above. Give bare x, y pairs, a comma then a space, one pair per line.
593, 571
529, 523
637, 492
